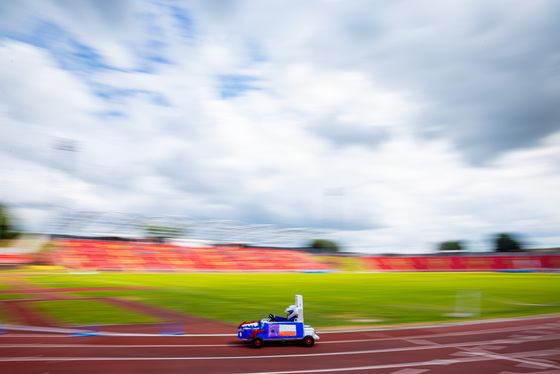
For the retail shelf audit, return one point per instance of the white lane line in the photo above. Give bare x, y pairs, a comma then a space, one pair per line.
371, 351
435, 362
379, 367
491, 344
442, 335
56, 345
453, 324
410, 371
420, 341
491, 347
531, 366
512, 357
9, 334
538, 332
408, 364
64, 331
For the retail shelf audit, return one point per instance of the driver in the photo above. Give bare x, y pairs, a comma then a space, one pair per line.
292, 314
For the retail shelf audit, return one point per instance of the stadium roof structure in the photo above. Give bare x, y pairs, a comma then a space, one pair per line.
132, 225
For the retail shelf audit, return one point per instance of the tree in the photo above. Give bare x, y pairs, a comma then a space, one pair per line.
7, 229
506, 243
324, 245
451, 246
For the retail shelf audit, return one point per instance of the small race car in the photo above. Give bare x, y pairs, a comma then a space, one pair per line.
279, 330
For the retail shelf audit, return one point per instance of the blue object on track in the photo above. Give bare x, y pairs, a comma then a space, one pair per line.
172, 328
86, 330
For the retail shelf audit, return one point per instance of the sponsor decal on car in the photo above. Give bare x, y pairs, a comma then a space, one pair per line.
288, 330
274, 331
281, 331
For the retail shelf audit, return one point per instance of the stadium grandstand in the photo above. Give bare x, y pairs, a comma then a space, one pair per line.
109, 254
80, 254
521, 261
207, 247
183, 256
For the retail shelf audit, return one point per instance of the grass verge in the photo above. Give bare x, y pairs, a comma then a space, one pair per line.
13, 296
338, 299
89, 312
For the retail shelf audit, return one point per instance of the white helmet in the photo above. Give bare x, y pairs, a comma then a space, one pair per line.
290, 309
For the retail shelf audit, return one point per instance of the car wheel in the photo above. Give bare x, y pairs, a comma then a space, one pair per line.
257, 342
308, 341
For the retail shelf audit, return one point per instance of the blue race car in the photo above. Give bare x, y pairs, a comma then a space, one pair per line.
279, 328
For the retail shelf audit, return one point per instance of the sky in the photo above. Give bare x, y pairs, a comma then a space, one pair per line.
391, 126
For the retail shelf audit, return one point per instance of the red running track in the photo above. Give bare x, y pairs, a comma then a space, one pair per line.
528, 345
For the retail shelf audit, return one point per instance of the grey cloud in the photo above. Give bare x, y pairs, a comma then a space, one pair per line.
101, 16
343, 134
329, 215
189, 172
95, 15
490, 82
112, 11
117, 176
504, 129
24, 143
486, 74
258, 209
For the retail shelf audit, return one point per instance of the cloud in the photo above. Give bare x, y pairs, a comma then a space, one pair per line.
27, 70
235, 85
432, 121
482, 71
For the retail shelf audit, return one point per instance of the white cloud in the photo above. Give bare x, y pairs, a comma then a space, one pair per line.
349, 116
37, 91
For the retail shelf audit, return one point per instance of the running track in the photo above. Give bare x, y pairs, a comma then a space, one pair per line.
528, 345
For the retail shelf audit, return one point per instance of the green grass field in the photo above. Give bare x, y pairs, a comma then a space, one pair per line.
89, 312
339, 299
12, 296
